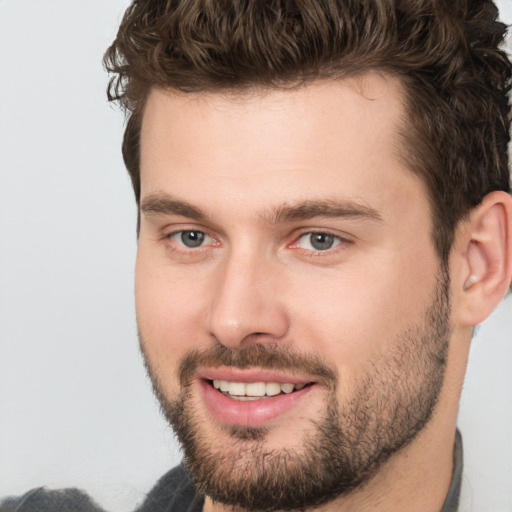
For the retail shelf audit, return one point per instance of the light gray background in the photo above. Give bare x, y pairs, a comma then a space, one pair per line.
75, 406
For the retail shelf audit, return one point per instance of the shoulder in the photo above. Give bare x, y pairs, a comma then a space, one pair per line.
174, 492
45, 500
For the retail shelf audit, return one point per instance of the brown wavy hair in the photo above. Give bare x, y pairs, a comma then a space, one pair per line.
447, 54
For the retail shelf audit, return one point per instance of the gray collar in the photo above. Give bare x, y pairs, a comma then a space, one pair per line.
451, 503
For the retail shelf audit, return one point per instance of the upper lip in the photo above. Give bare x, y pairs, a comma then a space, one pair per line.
232, 374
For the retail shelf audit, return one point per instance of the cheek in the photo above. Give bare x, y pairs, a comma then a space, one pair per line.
356, 316
169, 312
342, 322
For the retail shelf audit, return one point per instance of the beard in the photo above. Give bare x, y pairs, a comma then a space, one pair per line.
344, 446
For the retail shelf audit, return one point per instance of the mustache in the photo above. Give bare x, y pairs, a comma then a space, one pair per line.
265, 356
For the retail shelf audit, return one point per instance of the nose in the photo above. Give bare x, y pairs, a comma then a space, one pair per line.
246, 306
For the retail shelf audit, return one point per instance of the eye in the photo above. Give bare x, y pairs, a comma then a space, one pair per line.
191, 239
318, 241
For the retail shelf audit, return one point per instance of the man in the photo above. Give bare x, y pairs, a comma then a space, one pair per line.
324, 217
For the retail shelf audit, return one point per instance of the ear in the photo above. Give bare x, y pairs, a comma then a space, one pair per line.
485, 248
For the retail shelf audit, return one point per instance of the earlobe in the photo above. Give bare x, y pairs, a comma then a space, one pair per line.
487, 255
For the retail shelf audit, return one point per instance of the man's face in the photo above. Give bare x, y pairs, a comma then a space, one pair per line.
285, 257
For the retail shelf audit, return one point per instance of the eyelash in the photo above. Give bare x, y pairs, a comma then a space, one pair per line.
339, 242
182, 247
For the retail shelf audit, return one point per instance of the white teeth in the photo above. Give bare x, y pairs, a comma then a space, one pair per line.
236, 388
272, 388
223, 385
254, 390
286, 388
245, 398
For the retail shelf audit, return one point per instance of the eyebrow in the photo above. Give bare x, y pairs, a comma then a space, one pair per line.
322, 208
167, 205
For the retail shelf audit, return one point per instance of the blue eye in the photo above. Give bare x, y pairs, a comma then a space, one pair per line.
318, 241
190, 239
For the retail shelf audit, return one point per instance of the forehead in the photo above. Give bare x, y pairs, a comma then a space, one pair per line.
273, 146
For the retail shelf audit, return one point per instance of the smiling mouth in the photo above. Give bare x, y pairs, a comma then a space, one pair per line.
246, 391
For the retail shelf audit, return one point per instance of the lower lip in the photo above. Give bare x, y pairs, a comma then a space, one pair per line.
252, 413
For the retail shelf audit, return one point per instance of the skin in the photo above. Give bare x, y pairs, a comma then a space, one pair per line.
240, 159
